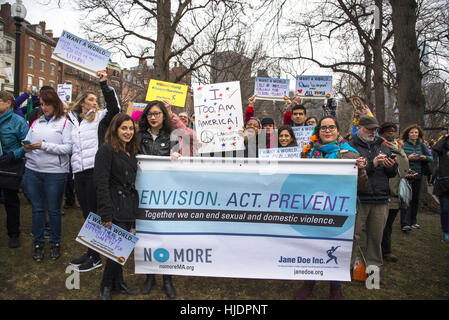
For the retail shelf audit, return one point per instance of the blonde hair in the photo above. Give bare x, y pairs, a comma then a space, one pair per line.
77, 106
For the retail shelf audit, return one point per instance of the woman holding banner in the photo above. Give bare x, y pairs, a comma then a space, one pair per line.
89, 125
326, 143
155, 128
114, 175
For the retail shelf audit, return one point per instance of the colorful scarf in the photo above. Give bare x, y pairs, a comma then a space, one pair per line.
330, 150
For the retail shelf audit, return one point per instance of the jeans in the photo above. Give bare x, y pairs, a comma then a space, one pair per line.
45, 191
444, 207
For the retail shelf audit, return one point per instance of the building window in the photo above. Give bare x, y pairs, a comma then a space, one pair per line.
52, 84
30, 61
42, 49
30, 80
42, 66
52, 69
41, 82
8, 46
32, 42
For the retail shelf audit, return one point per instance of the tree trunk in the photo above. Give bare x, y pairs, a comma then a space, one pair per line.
378, 66
165, 36
411, 101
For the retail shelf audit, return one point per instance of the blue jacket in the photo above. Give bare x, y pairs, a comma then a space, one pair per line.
13, 129
419, 148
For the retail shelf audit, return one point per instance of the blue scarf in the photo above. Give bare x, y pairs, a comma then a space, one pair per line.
330, 150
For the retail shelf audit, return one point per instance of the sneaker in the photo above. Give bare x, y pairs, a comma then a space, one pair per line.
38, 253
89, 265
55, 251
79, 261
415, 226
406, 228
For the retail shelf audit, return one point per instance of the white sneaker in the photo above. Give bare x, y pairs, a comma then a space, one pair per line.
406, 228
415, 226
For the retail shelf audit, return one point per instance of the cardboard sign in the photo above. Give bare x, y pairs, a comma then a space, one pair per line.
80, 54
317, 87
114, 243
218, 116
271, 89
133, 106
174, 93
65, 92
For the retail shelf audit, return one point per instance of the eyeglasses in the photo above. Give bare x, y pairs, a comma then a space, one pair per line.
154, 114
330, 128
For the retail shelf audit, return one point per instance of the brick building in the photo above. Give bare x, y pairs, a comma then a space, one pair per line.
7, 52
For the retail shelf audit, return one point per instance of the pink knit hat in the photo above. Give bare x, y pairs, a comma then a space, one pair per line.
136, 115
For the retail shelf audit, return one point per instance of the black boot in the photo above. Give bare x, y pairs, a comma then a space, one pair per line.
168, 287
106, 293
148, 284
121, 287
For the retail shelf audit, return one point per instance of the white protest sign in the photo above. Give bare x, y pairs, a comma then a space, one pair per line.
314, 86
8, 71
65, 92
303, 135
80, 54
271, 89
218, 116
280, 153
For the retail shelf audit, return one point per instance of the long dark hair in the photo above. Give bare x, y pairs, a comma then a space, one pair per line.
406, 131
112, 134
293, 143
166, 123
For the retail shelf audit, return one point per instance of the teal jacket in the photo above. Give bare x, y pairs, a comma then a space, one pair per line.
419, 148
13, 129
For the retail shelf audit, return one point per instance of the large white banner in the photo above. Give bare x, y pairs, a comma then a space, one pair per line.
218, 116
252, 218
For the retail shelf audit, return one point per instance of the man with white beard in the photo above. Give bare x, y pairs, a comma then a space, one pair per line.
373, 200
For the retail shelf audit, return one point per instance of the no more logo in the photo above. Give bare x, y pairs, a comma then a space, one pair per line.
179, 255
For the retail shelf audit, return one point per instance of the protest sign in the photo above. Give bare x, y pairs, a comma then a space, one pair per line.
65, 92
80, 54
271, 89
8, 71
280, 153
114, 243
211, 217
174, 93
133, 106
218, 116
303, 134
314, 86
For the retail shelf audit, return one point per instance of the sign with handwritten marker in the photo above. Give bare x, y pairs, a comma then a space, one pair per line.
114, 243
280, 153
314, 87
218, 116
271, 89
303, 135
65, 92
80, 54
174, 93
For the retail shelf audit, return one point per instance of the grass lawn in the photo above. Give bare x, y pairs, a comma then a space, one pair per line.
422, 271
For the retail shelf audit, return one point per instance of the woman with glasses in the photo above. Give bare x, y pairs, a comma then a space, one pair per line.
328, 144
155, 127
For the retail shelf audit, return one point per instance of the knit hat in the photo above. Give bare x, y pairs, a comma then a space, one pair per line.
136, 115
267, 121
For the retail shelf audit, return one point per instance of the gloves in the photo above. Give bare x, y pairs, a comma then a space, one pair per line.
7, 158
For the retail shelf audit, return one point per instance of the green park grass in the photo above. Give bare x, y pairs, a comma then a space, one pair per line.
422, 271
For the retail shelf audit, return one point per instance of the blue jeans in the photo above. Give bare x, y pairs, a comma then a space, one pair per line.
45, 191
444, 206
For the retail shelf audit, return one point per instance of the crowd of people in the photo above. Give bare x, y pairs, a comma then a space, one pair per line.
50, 148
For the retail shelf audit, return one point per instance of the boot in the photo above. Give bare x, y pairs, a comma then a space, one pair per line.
335, 292
106, 293
121, 287
306, 290
148, 284
168, 287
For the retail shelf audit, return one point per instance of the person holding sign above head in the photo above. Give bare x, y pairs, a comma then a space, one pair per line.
47, 145
115, 173
286, 137
295, 114
326, 143
155, 127
89, 126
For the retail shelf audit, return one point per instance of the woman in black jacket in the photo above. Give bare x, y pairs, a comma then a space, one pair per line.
117, 198
155, 128
441, 189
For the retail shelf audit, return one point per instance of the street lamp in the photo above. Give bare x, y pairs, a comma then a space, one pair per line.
18, 13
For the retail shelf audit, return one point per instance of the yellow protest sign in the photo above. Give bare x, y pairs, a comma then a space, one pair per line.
172, 92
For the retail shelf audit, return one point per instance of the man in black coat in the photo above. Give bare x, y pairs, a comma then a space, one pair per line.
441, 189
373, 206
